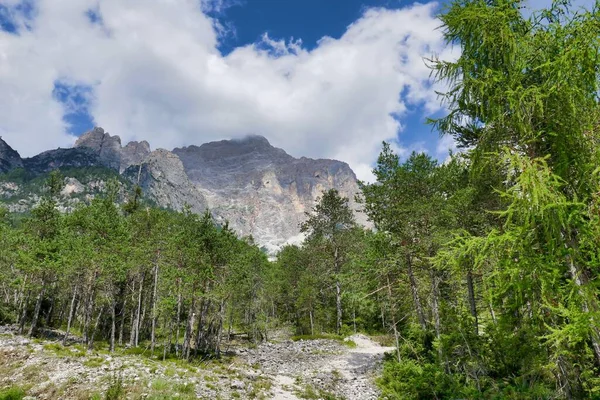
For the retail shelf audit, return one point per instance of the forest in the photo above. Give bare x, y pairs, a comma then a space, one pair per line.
482, 268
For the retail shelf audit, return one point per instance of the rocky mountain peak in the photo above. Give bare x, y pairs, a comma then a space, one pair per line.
9, 158
107, 147
134, 153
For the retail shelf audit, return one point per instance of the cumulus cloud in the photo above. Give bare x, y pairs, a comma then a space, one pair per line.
150, 69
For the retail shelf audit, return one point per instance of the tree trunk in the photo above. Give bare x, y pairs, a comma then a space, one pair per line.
188, 333
415, 293
312, 324
71, 314
52, 301
472, 304
113, 324
122, 322
133, 323
36, 311
338, 292
220, 328
154, 300
393, 314
139, 310
24, 313
178, 319
95, 329
200, 335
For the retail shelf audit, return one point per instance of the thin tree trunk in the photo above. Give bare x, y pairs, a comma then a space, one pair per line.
393, 313
89, 308
178, 319
415, 293
133, 323
95, 329
220, 328
154, 300
24, 313
312, 324
52, 301
139, 310
188, 333
36, 311
472, 304
338, 293
122, 322
71, 314
113, 324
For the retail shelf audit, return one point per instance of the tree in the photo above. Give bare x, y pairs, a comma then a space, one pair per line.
330, 221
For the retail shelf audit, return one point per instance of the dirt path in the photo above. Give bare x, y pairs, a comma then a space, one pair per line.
300, 369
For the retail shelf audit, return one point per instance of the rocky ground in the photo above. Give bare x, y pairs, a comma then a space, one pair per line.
304, 369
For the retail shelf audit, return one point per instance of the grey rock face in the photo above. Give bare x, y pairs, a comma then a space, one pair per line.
9, 158
107, 147
261, 190
163, 179
134, 153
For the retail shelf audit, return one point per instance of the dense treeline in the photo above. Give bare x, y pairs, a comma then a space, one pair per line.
131, 275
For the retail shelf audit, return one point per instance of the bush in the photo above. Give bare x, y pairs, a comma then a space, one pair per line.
412, 380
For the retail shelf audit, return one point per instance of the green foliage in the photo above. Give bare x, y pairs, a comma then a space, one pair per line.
12, 393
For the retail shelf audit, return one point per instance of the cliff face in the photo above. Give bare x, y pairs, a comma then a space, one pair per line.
163, 179
260, 189
9, 158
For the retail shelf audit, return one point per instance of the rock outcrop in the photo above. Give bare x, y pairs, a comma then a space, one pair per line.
260, 189
163, 179
9, 158
108, 148
134, 153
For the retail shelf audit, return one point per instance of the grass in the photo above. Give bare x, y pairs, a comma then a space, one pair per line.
115, 390
62, 351
12, 393
327, 336
259, 386
311, 393
94, 362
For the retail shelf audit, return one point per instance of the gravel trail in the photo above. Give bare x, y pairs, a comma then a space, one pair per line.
324, 365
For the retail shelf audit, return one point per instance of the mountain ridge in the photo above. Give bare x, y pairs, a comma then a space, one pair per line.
259, 189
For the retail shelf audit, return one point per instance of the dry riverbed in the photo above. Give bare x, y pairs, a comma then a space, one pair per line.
305, 369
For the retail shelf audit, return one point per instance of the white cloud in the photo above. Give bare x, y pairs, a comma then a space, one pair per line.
157, 75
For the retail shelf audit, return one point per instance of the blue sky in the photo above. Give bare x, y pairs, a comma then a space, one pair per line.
318, 78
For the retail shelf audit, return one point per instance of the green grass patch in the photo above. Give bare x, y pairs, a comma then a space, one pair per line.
94, 362
12, 393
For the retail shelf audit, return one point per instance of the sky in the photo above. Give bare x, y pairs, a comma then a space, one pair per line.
318, 78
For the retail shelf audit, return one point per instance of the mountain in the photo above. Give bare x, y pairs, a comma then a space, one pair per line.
259, 189
9, 158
